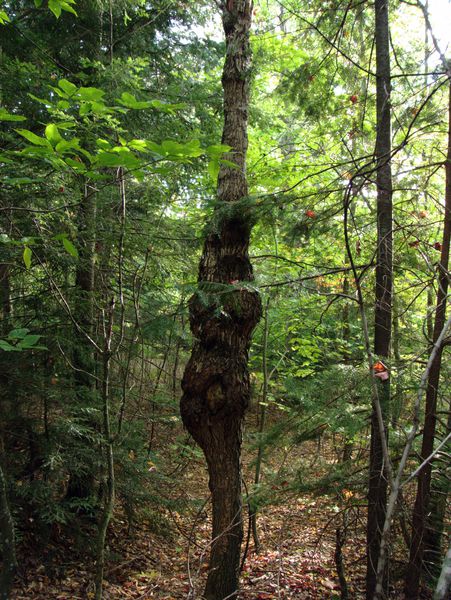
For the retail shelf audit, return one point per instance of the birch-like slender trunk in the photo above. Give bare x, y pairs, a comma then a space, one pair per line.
377, 492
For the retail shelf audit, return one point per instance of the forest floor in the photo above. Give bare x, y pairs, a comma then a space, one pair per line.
296, 561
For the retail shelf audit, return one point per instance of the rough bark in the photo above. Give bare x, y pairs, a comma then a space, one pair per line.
377, 492
421, 507
223, 314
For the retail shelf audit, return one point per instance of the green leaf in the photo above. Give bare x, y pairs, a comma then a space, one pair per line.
217, 149
38, 3
130, 101
52, 134
65, 5
193, 149
27, 257
84, 109
67, 86
166, 107
29, 341
140, 145
155, 148
172, 148
101, 143
6, 116
4, 345
118, 157
70, 248
4, 17
18, 334
228, 163
32, 137
79, 167
91, 94
55, 7
213, 169
68, 146
40, 100
99, 108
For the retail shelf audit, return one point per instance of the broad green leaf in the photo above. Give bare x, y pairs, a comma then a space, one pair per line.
171, 147
6, 116
65, 5
156, 148
52, 134
76, 165
228, 163
68, 145
217, 149
99, 107
27, 257
4, 17
37, 151
91, 94
67, 86
213, 169
32, 137
124, 158
103, 144
4, 345
29, 341
130, 101
84, 109
18, 334
70, 248
140, 145
40, 100
63, 104
55, 7
38, 3
193, 149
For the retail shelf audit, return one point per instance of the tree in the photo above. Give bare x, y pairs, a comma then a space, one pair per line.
422, 499
377, 490
223, 314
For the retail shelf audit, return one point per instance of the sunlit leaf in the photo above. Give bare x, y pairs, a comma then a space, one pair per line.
70, 248
27, 257
6, 116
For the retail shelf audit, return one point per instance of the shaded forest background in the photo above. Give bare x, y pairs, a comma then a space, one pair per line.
111, 121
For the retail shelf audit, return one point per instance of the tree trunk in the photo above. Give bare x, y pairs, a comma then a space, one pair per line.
84, 285
421, 507
223, 314
377, 492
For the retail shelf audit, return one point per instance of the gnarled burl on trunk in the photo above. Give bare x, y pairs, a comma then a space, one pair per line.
223, 314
